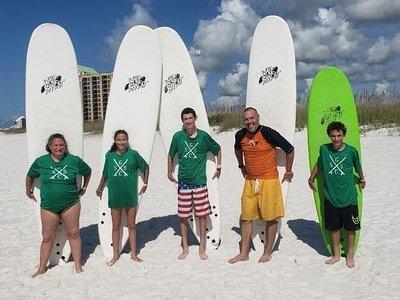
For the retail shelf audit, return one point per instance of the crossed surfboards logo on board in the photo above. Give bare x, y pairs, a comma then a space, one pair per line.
52, 83
172, 82
331, 114
136, 82
269, 74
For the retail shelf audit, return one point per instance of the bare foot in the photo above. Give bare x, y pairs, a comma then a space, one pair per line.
113, 261
332, 260
238, 258
265, 258
77, 270
183, 255
39, 272
203, 255
136, 258
350, 263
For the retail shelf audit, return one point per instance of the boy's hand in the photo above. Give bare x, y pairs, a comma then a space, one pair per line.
172, 178
311, 184
362, 183
143, 189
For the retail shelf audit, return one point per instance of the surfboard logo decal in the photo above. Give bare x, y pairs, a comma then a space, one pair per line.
136, 82
331, 114
172, 82
269, 74
52, 83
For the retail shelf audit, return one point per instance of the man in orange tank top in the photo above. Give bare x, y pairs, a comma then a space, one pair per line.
255, 150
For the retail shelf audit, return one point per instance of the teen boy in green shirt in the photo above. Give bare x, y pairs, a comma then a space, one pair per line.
337, 160
191, 145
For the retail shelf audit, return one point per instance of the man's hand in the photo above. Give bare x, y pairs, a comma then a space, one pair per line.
244, 171
288, 176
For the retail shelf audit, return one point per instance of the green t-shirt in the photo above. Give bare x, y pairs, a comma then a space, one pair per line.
58, 187
121, 173
192, 155
339, 179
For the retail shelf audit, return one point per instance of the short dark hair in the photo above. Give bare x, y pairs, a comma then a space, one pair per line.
114, 145
250, 108
188, 110
52, 138
338, 126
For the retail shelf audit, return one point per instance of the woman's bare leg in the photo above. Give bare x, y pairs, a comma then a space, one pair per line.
131, 223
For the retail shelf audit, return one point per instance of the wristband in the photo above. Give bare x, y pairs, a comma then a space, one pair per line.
144, 184
84, 188
286, 172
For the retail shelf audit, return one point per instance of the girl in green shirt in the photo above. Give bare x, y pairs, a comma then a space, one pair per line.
59, 195
120, 173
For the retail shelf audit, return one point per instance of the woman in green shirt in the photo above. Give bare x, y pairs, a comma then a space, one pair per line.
120, 173
59, 195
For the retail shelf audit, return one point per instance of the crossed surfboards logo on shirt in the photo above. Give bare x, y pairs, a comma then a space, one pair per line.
59, 173
336, 165
52, 83
190, 150
120, 168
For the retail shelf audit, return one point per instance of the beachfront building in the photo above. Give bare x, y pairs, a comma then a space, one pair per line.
95, 88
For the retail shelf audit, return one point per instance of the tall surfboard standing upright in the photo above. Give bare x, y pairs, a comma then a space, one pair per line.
53, 104
133, 106
331, 99
180, 89
271, 89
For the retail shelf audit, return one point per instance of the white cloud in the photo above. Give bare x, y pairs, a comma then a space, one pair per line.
374, 10
139, 16
233, 86
330, 37
224, 38
383, 50
234, 83
307, 70
202, 78
382, 87
228, 101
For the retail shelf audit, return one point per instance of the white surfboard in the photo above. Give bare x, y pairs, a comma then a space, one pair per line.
271, 89
180, 89
133, 106
53, 105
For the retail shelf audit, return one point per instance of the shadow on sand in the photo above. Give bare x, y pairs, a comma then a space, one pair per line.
149, 230
309, 232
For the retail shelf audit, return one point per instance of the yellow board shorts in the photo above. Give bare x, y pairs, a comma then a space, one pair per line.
262, 199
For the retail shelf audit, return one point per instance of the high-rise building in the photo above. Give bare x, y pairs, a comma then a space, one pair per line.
95, 88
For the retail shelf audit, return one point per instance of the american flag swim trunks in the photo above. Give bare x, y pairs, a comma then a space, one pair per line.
193, 197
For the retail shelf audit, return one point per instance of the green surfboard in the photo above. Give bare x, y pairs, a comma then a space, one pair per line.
331, 99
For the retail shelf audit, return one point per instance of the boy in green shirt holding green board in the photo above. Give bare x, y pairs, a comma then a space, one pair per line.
337, 160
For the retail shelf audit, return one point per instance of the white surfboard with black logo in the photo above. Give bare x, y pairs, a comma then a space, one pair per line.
180, 89
271, 89
133, 106
53, 105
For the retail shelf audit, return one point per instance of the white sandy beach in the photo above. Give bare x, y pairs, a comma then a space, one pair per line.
297, 269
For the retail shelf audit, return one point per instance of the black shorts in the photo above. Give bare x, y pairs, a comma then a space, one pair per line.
337, 218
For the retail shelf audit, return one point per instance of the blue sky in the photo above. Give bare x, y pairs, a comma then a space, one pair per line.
360, 36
